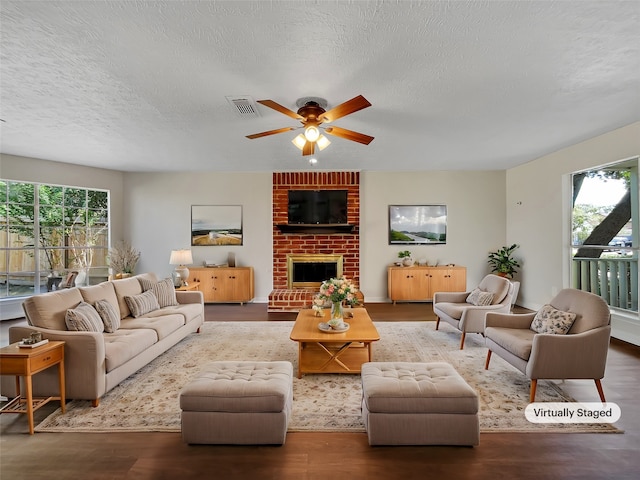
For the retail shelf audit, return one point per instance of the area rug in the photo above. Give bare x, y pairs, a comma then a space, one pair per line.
148, 400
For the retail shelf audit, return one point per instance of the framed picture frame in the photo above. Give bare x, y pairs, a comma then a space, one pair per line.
417, 224
216, 225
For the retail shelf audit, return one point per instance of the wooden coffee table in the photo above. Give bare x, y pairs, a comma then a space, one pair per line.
320, 352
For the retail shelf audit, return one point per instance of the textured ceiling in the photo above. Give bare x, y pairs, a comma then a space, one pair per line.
142, 86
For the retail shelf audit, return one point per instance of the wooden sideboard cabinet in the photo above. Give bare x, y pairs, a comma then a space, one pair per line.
224, 284
417, 283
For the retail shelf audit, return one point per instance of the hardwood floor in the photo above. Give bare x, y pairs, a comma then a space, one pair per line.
307, 456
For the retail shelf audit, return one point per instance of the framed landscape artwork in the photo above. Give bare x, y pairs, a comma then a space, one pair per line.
417, 224
216, 225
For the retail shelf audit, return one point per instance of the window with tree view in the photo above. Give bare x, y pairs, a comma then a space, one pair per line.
605, 233
50, 234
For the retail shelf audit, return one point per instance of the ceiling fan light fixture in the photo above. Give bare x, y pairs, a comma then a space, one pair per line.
322, 142
311, 133
299, 141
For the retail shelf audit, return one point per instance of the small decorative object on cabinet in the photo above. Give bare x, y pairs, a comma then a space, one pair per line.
418, 283
406, 258
225, 284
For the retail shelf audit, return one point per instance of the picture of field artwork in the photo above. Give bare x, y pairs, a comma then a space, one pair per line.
417, 224
216, 225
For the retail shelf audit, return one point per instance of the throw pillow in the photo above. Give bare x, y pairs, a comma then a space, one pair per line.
140, 304
146, 283
109, 315
552, 320
83, 318
479, 298
165, 292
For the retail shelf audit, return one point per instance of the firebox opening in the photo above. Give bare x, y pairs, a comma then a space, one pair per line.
308, 271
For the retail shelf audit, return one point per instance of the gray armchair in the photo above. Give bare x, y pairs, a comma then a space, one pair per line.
453, 307
581, 353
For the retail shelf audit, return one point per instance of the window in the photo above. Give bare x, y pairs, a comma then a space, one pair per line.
49, 231
605, 233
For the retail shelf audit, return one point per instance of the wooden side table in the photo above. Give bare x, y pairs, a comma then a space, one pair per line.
26, 362
193, 286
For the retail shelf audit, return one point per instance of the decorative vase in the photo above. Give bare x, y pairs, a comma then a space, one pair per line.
337, 315
408, 261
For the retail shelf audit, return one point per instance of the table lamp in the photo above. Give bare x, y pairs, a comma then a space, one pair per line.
181, 258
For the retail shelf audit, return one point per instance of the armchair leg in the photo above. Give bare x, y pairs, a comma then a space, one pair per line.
95, 402
437, 322
532, 394
462, 339
486, 364
600, 391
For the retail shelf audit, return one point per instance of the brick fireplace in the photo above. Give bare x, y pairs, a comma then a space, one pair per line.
346, 245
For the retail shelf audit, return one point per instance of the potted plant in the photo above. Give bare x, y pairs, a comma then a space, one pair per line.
405, 257
502, 262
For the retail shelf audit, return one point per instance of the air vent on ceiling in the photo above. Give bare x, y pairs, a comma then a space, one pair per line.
244, 106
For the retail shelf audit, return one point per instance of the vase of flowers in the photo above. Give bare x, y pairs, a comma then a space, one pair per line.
338, 291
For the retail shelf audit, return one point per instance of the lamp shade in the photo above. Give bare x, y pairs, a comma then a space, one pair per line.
322, 142
181, 257
299, 141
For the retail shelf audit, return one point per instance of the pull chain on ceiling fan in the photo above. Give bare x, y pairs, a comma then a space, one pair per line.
312, 114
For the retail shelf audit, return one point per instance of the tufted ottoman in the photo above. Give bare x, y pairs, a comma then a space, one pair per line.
418, 404
238, 403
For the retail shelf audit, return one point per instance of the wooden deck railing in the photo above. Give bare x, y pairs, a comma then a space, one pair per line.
614, 279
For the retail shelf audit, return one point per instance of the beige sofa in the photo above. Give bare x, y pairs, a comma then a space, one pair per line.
96, 362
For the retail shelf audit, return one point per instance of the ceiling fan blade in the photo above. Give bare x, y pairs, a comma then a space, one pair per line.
346, 108
349, 135
280, 108
308, 148
270, 132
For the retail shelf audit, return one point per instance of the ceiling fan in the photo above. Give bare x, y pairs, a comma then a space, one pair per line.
311, 113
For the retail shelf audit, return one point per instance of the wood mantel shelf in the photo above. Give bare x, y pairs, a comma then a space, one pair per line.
311, 228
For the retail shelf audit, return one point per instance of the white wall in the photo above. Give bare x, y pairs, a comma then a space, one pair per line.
158, 219
475, 221
538, 207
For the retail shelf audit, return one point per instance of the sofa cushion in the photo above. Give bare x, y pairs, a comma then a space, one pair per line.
551, 320
479, 297
516, 340
84, 318
142, 303
453, 310
109, 315
164, 325
125, 287
189, 311
102, 291
49, 310
123, 345
165, 292
129, 286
